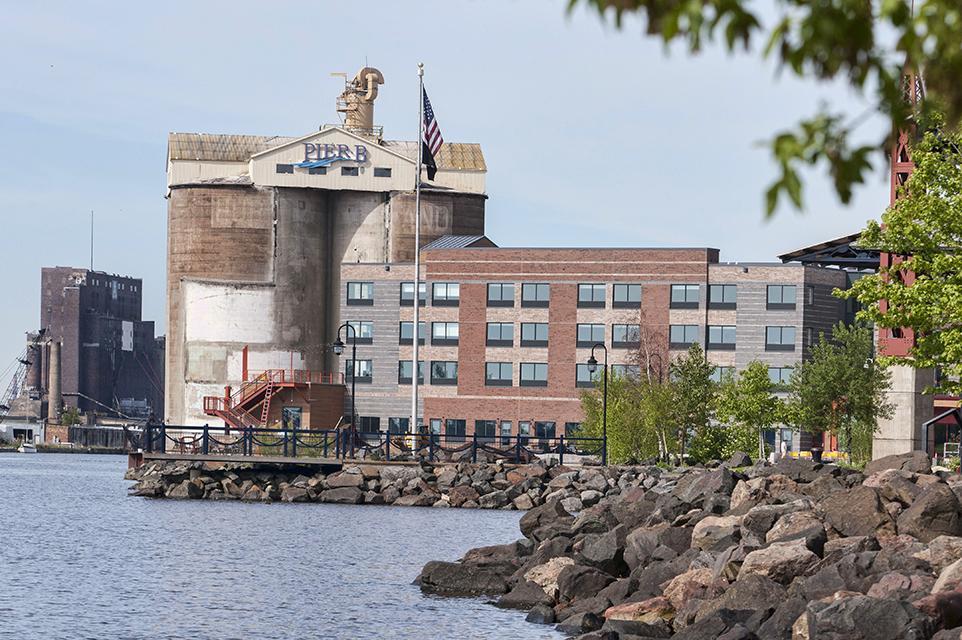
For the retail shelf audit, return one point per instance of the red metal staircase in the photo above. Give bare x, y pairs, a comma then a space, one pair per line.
237, 410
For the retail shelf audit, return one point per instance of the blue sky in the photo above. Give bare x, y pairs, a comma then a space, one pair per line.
593, 137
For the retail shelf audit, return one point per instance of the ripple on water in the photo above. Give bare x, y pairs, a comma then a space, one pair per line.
79, 559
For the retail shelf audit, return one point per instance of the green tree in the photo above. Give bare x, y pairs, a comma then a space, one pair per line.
71, 416
841, 390
748, 407
637, 413
694, 398
923, 292
866, 43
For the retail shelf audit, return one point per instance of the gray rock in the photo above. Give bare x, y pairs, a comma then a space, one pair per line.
544, 521
187, 489
780, 561
494, 500
577, 581
914, 461
748, 593
935, 512
857, 512
739, 459
525, 595
523, 502
590, 497
426, 499
572, 504
607, 551
859, 617
344, 479
452, 578
294, 493
716, 533
580, 623
541, 614
343, 495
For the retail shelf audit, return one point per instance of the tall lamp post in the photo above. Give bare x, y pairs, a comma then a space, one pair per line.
592, 367
338, 349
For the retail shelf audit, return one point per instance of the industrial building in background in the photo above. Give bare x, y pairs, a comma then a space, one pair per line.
258, 228
93, 353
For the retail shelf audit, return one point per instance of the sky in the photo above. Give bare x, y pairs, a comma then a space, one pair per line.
592, 136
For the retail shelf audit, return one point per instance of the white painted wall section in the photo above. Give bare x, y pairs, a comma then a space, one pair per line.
216, 312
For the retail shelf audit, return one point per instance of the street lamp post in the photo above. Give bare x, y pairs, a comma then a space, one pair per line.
338, 349
592, 367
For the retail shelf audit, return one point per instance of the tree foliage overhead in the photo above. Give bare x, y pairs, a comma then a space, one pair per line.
924, 226
867, 43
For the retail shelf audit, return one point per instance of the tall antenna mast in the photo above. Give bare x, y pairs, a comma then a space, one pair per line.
91, 239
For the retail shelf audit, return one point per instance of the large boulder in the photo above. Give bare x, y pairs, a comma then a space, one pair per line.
804, 525
759, 520
914, 461
525, 595
943, 551
695, 486
895, 485
693, 584
546, 575
858, 617
391, 475
344, 479
343, 495
607, 551
716, 532
738, 459
642, 543
648, 618
857, 512
459, 579
494, 500
460, 494
780, 561
291, 493
545, 521
935, 512
749, 593
577, 582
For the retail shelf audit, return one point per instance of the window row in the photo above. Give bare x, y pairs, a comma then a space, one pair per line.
455, 429
725, 296
779, 376
379, 172
496, 374
722, 337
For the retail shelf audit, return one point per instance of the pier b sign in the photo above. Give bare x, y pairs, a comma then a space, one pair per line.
318, 154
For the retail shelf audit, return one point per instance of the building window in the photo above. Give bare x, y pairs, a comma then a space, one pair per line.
454, 430
572, 429
398, 425
500, 294
720, 374
779, 338
485, 430
445, 294
584, 378
535, 295
524, 432
406, 332
500, 334
404, 371
721, 338
444, 372
682, 336
368, 424
591, 295
505, 432
544, 430
362, 370
497, 374
626, 296
780, 376
627, 371
590, 334
382, 172
534, 374
444, 334
534, 334
360, 293
722, 296
684, 296
809, 295
363, 331
435, 425
317, 171
809, 337
349, 171
781, 296
625, 336
284, 168
407, 294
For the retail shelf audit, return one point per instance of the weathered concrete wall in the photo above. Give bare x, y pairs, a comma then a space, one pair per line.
903, 431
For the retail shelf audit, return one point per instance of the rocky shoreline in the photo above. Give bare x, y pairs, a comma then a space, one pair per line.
463, 485
795, 550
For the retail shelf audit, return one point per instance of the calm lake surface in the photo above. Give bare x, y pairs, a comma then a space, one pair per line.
80, 559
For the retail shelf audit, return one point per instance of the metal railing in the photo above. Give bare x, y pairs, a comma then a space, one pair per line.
345, 443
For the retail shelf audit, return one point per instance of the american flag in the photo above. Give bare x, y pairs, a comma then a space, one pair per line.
431, 139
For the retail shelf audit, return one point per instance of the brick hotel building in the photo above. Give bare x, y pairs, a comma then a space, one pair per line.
506, 332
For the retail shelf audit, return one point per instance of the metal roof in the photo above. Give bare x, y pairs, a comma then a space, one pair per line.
459, 242
840, 252
214, 147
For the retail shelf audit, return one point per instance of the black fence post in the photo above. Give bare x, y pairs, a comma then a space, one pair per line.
337, 443
431, 447
248, 441
387, 446
561, 450
286, 438
294, 442
148, 439
205, 442
474, 447
163, 438
517, 451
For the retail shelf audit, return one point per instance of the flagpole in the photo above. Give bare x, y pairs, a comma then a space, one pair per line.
417, 260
